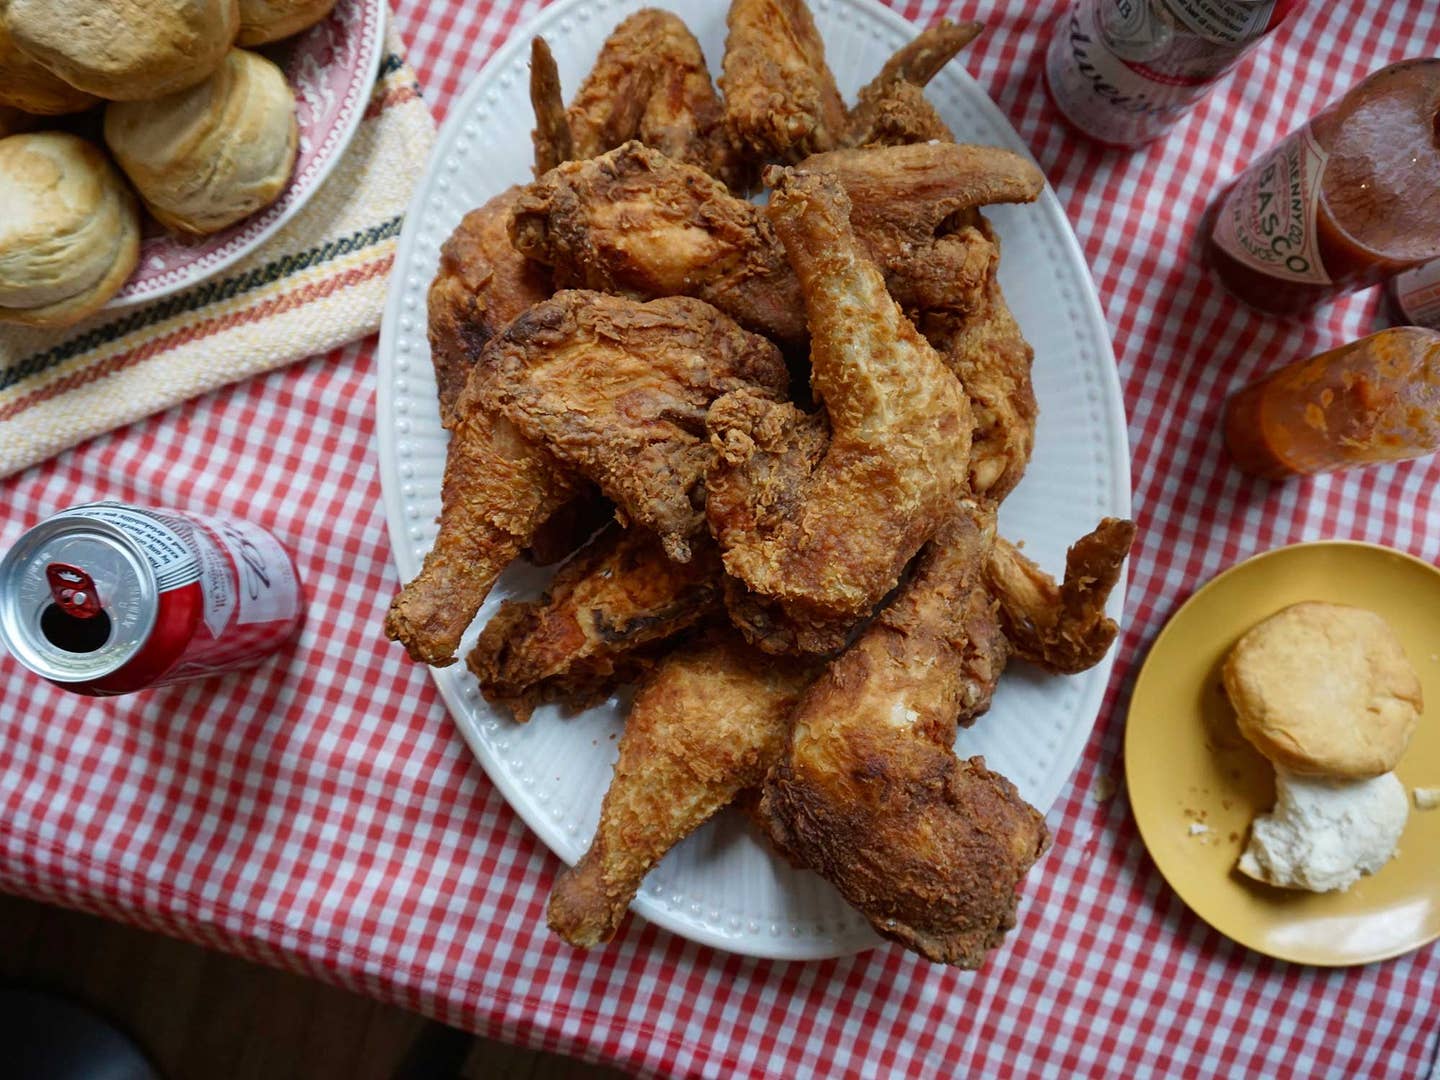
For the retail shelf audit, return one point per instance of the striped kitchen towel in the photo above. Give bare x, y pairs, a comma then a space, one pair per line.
318, 283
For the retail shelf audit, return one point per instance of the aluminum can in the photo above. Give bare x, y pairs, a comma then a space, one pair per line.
108, 598
1125, 71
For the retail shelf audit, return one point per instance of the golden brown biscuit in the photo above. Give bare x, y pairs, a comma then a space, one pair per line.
1324, 689
125, 50
206, 157
70, 234
28, 85
271, 20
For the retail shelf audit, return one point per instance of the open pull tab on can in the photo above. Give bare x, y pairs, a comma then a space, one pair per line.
73, 590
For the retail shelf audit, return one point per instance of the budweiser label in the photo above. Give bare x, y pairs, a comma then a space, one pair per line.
1124, 71
267, 589
1267, 221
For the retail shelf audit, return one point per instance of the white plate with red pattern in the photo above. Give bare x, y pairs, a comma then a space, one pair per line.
332, 68
724, 886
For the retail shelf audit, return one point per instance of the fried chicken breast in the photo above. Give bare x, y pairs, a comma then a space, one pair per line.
707, 723
870, 794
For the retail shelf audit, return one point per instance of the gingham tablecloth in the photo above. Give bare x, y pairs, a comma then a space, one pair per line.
321, 813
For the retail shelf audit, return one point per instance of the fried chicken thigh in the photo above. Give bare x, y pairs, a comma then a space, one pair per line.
617, 391
650, 82
780, 98
590, 631
899, 437
498, 488
636, 223
1063, 627
870, 794
709, 722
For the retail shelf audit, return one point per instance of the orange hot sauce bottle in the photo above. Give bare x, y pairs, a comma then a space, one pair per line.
1376, 399
1348, 200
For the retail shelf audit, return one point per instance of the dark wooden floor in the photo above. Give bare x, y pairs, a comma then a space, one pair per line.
203, 1015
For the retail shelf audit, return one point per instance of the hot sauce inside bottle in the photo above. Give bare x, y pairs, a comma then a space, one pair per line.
1374, 400
1348, 200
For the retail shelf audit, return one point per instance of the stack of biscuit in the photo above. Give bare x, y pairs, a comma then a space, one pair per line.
204, 132
1327, 694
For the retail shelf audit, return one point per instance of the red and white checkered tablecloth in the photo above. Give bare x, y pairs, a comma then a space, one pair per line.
322, 814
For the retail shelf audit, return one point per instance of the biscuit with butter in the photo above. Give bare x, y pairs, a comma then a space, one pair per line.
70, 233
209, 156
263, 21
28, 85
125, 50
1324, 690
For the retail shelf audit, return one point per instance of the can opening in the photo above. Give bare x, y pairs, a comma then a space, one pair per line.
65, 631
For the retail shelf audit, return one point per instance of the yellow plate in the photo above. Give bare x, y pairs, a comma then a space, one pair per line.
1186, 763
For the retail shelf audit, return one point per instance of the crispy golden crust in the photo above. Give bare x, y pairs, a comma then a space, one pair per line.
617, 390
780, 98
590, 631
709, 722
891, 109
899, 441
481, 284
650, 82
1063, 628
551, 135
930, 848
636, 223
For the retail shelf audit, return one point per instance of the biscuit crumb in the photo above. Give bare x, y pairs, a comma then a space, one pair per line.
1425, 798
1102, 789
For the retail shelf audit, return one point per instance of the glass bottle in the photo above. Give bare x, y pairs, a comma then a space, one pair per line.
1373, 400
1349, 199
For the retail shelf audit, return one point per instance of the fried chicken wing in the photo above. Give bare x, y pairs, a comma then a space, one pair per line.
910, 69
593, 628
617, 391
1063, 628
498, 487
899, 436
707, 723
636, 223
870, 794
781, 102
551, 137
481, 284
903, 202
650, 82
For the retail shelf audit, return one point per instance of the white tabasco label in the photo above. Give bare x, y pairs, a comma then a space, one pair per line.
1267, 221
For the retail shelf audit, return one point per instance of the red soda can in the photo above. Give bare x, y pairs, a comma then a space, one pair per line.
1125, 71
108, 598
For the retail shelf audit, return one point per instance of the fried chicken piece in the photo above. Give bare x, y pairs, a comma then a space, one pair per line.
650, 82
551, 137
481, 284
781, 102
617, 391
706, 724
636, 223
1063, 628
901, 114
910, 69
870, 794
569, 527
904, 200
593, 628
498, 488
899, 436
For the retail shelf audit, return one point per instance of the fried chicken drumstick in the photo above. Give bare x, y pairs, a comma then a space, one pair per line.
899, 438
498, 488
709, 722
590, 631
929, 847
